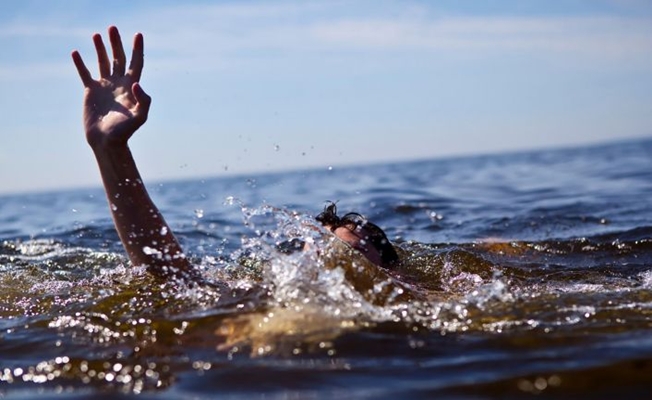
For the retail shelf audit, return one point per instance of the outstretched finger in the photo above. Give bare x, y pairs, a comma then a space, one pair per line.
83, 72
119, 59
137, 58
102, 57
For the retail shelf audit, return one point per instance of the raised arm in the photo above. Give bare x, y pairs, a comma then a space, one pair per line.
114, 107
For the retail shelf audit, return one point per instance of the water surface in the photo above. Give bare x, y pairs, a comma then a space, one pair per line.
521, 274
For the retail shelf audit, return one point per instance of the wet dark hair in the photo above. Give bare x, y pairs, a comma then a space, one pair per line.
376, 236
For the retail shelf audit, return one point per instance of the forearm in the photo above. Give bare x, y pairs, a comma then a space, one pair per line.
143, 231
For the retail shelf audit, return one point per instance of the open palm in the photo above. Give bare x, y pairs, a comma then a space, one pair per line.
115, 105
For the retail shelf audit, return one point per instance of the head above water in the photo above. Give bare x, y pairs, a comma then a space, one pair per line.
361, 234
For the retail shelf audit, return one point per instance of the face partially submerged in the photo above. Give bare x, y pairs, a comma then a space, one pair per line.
357, 238
360, 234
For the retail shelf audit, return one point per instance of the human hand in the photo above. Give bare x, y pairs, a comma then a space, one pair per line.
115, 105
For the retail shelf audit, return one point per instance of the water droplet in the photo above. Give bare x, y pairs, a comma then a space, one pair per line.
330, 168
277, 147
199, 213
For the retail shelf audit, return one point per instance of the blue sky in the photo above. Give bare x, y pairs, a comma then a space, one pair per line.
249, 86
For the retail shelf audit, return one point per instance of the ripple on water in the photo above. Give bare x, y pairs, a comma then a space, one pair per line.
561, 288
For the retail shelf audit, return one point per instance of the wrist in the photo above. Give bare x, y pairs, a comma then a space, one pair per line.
102, 140
111, 153
104, 146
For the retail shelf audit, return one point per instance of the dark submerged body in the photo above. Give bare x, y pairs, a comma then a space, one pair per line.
561, 306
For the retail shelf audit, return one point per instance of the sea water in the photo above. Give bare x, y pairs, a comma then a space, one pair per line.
521, 274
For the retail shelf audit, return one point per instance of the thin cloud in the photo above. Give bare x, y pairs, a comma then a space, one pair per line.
44, 70
228, 32
203, 37
596, 35
39, 30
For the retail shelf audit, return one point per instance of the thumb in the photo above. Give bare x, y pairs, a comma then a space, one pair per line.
143, 101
